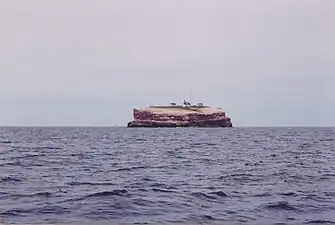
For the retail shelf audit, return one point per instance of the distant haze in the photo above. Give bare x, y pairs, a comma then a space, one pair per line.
84, 62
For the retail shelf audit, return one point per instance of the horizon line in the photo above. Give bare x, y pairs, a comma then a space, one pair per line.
124, 126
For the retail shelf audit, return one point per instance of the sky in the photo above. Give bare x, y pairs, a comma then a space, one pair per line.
89, 63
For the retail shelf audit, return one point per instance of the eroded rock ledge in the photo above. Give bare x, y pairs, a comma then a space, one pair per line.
180, 116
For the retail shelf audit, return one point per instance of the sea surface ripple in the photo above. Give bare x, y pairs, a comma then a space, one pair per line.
167, 176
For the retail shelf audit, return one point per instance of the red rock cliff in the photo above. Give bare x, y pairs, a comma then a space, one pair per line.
178, 116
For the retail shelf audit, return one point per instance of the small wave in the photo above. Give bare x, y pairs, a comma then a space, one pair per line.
281, 206
330, 194
25, 156
161, 190
208, 217
46, 147
200, 143
320, 221
10, 164
107, 193
46, 194
143, 202
201, 218
9, 179
42, 210
55, 210
56, 138
288, 194
305, 145
219, 193
5, 142
327, 139
90, 183
265, 194
240, 177
161, 185
327, 176
15, 212
132, 168
39, 194
141, 139
19, 148
147, 179
203, 195
236, 175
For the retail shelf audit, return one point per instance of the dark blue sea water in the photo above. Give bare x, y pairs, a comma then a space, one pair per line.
163, 176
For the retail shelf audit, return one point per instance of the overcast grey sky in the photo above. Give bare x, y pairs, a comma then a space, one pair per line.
84, 62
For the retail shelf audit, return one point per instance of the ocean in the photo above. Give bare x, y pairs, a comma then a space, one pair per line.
106, 175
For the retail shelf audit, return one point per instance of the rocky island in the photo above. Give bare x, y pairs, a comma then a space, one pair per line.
185, 115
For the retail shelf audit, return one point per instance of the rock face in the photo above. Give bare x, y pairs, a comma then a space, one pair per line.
180, 116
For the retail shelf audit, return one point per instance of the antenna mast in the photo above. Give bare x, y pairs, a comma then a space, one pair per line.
191, 96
